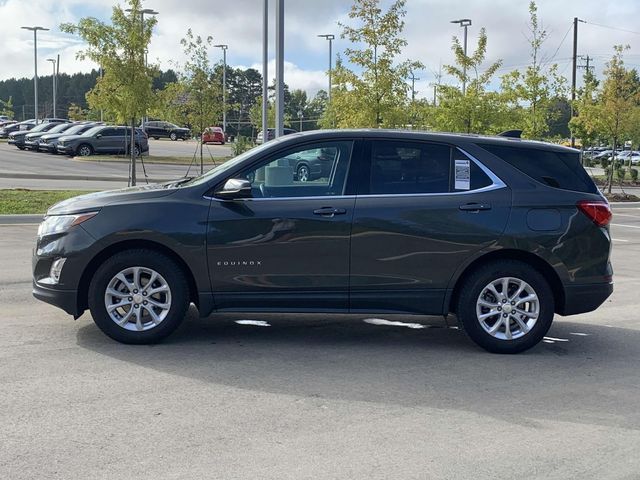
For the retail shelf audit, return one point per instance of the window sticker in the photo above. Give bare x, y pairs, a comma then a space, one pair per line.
462, 175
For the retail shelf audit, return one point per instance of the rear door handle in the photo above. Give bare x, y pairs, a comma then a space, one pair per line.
475, 207
329, 211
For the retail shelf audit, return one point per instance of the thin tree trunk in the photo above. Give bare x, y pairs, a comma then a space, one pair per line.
612, 166
132, 144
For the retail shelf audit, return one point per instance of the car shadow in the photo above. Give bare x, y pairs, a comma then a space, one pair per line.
581, 373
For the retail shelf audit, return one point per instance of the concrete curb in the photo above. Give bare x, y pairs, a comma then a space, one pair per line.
78, 177
21, 219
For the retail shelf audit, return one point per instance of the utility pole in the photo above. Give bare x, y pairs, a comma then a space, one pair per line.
265, 71
588, 67
464, 22
279, 68
224, 87
35, 65
574, 71
53, 63
413, 86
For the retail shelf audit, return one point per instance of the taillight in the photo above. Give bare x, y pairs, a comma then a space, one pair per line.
597, 211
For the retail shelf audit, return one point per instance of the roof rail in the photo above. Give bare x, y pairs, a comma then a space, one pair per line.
511, 134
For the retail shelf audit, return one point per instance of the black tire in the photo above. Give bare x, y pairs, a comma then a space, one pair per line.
156, 138
162, 264
84, 150
473, 286
20, 147
136, 151
173, 136
303, 173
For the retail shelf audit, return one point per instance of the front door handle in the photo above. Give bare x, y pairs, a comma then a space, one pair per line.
475, 207
329, 211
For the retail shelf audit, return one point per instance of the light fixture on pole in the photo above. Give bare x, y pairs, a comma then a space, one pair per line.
55, 84
331, 38
224, 86
35, 64
464, 22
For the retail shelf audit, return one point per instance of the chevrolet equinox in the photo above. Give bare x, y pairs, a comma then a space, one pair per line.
502, 232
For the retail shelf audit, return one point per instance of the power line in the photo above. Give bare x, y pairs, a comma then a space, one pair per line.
613, 28
559, 46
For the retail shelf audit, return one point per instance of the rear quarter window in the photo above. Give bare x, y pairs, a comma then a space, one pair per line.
553, 168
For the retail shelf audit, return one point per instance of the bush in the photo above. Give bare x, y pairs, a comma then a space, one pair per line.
634, 174
241, 145
621, 173
604, 162
607, 172
586, 161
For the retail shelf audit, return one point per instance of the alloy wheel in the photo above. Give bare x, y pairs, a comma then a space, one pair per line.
507, 308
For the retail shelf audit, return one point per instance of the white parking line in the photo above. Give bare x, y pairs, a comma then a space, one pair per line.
619, 240
625, 215
627, 226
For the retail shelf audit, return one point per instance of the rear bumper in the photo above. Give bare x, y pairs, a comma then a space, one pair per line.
585, 298
67, 300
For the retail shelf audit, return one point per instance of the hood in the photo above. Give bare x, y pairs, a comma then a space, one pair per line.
97, 200
69, 137
30, 135
18, 133
51, 136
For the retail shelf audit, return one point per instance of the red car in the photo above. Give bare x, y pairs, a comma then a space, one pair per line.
213, 135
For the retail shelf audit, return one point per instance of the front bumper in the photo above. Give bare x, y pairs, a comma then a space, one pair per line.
65, 149
584, 298
67, 300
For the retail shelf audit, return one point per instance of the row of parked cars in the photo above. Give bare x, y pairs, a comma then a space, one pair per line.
600, 153
55, 135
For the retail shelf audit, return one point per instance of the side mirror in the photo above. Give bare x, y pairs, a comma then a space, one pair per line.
235, 188
99, 135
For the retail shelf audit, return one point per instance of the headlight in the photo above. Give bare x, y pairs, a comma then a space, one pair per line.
61, 223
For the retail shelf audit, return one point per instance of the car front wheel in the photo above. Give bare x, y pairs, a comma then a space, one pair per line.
303, 173
138, 296
85, 150
173, 136
505, 307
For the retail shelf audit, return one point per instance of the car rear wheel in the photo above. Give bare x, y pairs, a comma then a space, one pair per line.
303, 173
505, 307
85, 150
138, 296
173, 136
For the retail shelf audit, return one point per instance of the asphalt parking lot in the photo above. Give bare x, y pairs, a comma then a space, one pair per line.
295, 397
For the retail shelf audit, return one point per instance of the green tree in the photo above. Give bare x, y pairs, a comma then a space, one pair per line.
538, 88
615, 113
125, 89
199, 95
377, 96
477, 110
6, 107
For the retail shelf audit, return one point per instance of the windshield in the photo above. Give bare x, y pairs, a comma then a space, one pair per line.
75, 129
220, 169
60, 128
92, 131
43, 127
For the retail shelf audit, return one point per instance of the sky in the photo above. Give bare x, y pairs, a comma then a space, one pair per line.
238, 23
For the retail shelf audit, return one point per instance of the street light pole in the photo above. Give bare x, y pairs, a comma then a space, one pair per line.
279, 68
35, 64
265, 71
464, 22
224, 87
331, 38
55, 84
148, 11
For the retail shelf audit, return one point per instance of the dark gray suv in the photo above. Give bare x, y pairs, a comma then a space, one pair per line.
104, 140
501, 232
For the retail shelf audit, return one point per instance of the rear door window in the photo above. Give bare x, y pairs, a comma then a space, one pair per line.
553, 168
409, 167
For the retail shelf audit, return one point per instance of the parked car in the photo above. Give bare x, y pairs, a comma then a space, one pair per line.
14, 127
271, 134
4, 118
158, 129
49, 141
489, 228
18, 138
32, 138
213, 135
6, 123
103, 139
